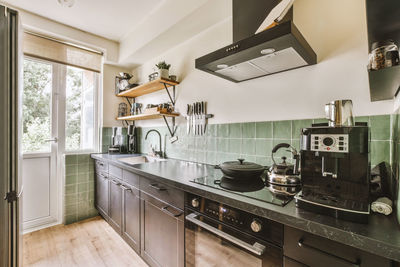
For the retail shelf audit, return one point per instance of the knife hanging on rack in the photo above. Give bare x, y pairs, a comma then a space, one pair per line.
197, 118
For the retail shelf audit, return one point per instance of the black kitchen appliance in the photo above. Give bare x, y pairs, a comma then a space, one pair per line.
219, 235
251, 55
254, 188
335, 171
131, 139
118, 141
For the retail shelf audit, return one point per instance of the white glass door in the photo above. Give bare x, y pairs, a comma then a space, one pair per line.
40, 143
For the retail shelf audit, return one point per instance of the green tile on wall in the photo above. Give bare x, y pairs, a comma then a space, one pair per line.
264, 129
70, 189
263, 147
83, 168
70, 209
320, 120
211, 130
235, 130
264, 161
362, 119
211, 144
282, 129
380, 127
70, 179
248, 158
71, 170
380, 151
71, 218
71, 199
248, 146
83, 159
223, 145
71, 159
297, 125
83, 187
223, 130
235, 145
211, 157
249, 130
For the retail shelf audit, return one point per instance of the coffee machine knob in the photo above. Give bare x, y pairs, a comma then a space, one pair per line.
195, 203
256, 226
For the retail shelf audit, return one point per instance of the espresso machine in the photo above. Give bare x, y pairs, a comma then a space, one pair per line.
131, 139
335, 165
118, 141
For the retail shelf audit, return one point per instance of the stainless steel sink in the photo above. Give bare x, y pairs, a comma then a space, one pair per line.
140, 160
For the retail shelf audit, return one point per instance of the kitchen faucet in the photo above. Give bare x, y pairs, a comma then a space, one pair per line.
160, 152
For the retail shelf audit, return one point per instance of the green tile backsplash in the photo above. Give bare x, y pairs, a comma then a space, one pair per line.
79, 188
253, 141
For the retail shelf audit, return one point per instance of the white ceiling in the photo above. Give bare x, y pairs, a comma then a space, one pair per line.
112, 19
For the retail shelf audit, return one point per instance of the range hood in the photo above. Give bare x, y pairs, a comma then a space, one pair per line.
277, 49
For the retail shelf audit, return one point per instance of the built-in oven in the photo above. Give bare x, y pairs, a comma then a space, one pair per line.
219, 235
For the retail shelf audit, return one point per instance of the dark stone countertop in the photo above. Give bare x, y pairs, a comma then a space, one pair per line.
380, 236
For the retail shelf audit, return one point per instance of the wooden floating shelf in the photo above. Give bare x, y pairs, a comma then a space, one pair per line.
147, 116
148, 88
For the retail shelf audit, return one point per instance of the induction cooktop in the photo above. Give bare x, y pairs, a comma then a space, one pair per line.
257, 189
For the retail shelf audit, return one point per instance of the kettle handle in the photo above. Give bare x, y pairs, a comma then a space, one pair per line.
292, 149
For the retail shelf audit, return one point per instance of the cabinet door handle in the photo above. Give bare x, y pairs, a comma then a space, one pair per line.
301, 244
165, 209
100, 163
103, 176
126, 188
115, 182
154, 186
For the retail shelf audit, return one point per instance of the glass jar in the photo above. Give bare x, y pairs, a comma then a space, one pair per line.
384, 54
122, 109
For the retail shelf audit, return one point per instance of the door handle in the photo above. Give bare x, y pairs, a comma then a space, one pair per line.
55, 139
154, 186
126, 188
115, 182
165, 209
301, 244
256, 248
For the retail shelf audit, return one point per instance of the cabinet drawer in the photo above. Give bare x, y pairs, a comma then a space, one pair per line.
101, 166
115, 171
163, 192
316, 251
130, 178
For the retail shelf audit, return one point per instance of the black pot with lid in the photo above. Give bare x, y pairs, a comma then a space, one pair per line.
241, 170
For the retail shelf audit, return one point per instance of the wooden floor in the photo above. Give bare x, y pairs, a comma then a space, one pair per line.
88, 243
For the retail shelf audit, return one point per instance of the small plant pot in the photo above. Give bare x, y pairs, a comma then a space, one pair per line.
163, 73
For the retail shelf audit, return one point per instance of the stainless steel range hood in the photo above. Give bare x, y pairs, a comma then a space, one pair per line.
277, 49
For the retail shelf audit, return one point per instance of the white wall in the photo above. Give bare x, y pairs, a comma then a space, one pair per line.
337, 32
110, 101
45, 26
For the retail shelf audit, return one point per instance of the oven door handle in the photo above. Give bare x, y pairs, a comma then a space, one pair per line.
256, 248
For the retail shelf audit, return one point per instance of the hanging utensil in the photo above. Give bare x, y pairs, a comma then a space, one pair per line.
188, 119
203, 117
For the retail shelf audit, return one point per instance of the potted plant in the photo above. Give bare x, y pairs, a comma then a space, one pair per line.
163, 69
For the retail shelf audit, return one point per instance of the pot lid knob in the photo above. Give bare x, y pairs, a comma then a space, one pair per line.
283, 160
241, 161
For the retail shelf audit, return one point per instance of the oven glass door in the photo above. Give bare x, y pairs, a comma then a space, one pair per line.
210, 243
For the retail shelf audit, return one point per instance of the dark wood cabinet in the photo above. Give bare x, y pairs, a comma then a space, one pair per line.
131, 216
312, 250
162, 233
115, 204
102, 194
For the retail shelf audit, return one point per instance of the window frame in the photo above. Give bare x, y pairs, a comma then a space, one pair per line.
59, 93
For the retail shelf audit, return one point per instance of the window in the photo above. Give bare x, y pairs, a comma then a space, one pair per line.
36, 110
43, 115
80, 109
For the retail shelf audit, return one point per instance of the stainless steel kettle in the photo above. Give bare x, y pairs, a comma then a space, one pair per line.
284, 174
339, 113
